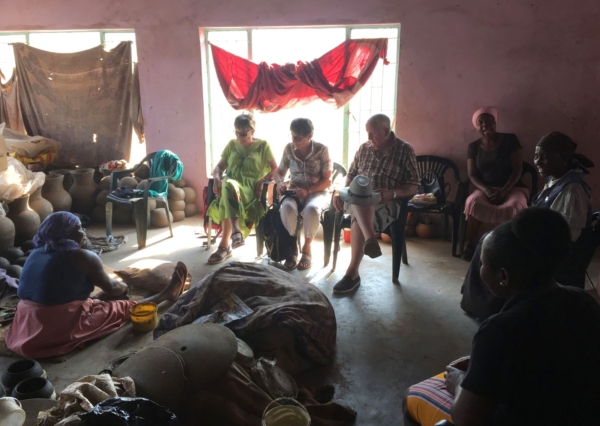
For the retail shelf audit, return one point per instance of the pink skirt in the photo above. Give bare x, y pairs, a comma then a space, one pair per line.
478, 206
40, 331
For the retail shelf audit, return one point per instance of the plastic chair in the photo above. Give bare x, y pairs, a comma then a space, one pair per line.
395, 231
528, 169
439, 166
140, 204
259, 229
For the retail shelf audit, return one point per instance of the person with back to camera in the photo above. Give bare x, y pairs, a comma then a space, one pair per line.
249, 163
310, 178
494, 164
537, 360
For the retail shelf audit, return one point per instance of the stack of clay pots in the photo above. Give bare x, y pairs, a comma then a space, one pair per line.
25, 219
12, 259
177, 200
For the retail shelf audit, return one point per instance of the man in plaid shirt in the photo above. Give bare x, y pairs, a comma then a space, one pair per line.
391, 165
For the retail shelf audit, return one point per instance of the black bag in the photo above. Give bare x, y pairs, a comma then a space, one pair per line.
431, 184
279, 243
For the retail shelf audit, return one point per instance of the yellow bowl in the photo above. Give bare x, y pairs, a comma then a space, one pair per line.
144, 316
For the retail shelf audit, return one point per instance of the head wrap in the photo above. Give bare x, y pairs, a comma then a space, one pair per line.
485, 110
565, 147
54, 232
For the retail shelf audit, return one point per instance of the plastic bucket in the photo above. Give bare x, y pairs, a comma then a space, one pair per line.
144, 316
347, 235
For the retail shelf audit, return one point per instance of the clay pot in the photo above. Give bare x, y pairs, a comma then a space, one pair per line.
37, 387
177, 194
41, 206
178, 216
128, 181
83, 191
4, 263
142, 185
21, 370
172, 188
53, 191
26, 220
67, 182
104, 183
409, 231
190, 195
21, 261
122, 215
101, 198
14, 271
11, 254
159, 218
151, 205
386, 238
143, 172
7, 233
425, 230
179, 183
412, 219
176, 205
190, 209
27, 245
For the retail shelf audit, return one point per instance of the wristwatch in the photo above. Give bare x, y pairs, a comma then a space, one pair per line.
393, 194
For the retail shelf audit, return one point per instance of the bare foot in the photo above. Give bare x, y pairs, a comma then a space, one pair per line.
175, 287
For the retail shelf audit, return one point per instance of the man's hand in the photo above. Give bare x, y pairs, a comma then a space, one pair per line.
386, 195
462, 364
454, 378
217, 186
300, 193
338, 203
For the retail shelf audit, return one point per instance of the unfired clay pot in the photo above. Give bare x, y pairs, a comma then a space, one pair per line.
68, 180
54, 192
425, 230
26, 220
7, 233
83, 191
41, 206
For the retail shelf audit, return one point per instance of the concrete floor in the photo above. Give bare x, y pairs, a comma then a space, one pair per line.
389, 336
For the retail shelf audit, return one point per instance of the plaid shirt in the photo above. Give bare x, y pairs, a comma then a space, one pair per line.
395, 168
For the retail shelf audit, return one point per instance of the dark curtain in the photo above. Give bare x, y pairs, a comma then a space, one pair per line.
10, 108
335, 77
137, 119
82, 100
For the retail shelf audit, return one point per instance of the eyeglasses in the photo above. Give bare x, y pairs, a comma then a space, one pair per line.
242, 134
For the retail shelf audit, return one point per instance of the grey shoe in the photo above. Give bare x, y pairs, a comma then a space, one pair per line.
346, 284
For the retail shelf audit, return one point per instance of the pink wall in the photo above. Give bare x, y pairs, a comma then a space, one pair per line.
537, 61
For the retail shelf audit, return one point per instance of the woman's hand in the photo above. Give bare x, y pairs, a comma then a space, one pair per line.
258, 188
462, 364
490, 193
498, 197
338, 203
454, 378
280, 188
217, 186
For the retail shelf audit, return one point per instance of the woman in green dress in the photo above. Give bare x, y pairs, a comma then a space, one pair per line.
249, 163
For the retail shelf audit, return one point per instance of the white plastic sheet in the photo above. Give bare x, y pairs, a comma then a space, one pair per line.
17, 181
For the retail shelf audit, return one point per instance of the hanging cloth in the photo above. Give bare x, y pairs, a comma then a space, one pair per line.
334, 78
10, 107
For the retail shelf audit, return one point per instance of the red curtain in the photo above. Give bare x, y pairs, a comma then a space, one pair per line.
334, 78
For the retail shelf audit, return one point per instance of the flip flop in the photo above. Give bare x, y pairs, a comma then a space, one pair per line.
237, 242
217, 258
295, 263
183, 275
371, 248
306, 259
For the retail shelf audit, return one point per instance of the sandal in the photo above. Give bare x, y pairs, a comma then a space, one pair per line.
237, 242
305, 261
217, 258
291, 262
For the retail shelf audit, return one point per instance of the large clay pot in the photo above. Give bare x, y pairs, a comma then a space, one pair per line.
68, 180
7, 233
425, 230
83, 191
42, 206
54, 192
26, 220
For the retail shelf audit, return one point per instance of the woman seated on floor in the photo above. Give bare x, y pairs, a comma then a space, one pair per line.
310, 178
249, 163
56, 314
494, 164
534, 363
567, 192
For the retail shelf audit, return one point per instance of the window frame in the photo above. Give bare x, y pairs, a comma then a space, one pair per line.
346, 115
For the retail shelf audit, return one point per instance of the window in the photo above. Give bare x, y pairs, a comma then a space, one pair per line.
342, 130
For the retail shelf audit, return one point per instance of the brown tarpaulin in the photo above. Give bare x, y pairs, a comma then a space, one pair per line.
81, 99
10, 108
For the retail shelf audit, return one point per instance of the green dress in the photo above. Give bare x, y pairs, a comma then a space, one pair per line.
245, 167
